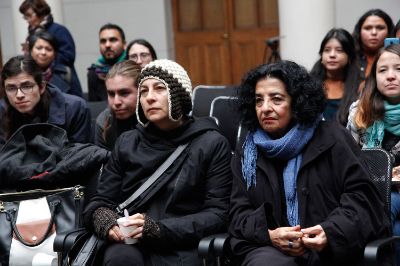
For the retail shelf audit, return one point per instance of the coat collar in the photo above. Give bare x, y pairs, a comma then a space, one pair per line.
57, 106
319, 143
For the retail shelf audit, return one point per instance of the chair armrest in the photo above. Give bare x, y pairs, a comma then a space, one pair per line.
205, 246
373, 248
219, 244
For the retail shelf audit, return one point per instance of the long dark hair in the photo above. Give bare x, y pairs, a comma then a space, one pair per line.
371, 107
145, 44
351, 72
13, 67
357, 28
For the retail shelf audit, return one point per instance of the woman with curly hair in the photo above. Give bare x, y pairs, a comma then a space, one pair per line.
338, 71
299, 188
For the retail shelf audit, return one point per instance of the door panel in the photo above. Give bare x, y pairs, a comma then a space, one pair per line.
217, 41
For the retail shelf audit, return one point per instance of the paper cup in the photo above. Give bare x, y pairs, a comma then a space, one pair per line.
126, 230
43, 259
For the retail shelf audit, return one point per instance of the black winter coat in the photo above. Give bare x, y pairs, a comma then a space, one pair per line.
333, 190
194, 200
40, 156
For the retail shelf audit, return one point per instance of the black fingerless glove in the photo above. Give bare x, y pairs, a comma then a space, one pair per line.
151, 229
103, 220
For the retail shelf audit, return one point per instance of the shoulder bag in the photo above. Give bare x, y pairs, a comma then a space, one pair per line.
30, 220
84, 253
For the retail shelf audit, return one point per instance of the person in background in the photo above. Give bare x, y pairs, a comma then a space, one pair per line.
300, 190
397, 29
112, 49
30, 100
188, 202
369, 34
338, 72
43, 49
141, 52
38, 15
374, 120
120, 115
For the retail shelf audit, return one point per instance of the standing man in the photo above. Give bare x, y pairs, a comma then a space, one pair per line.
112, 48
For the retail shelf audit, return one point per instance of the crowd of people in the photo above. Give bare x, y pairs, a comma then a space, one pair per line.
294, 192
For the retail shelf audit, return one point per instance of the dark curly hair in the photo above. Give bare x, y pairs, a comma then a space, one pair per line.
308, 98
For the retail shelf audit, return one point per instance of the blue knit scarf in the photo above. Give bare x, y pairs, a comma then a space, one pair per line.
287, 148
391, 122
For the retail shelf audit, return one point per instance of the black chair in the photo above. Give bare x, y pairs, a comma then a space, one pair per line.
379, 163
204, 95
223, 109
95, 109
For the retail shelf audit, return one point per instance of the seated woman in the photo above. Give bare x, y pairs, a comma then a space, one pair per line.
338, 71
43, 49
192, 199
300, 194
374, 120
369, 35
141, 52
120, 115
30, 100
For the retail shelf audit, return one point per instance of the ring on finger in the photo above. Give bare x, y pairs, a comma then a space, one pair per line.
290, 244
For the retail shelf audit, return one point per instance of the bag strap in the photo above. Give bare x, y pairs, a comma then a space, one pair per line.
160, 170
13, 219
87, 254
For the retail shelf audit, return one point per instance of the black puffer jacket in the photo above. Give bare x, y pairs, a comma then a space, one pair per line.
40, 156
194, 197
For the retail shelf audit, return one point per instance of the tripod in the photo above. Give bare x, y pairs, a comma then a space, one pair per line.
273, 44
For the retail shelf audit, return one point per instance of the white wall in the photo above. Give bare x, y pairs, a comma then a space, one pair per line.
348, 12
138, 18
151, 19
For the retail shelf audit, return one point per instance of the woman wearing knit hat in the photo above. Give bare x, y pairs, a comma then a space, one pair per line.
189, 201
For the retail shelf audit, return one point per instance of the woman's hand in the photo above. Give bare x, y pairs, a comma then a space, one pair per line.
288, 239
314, 238
136, 220
114, 234
396, 173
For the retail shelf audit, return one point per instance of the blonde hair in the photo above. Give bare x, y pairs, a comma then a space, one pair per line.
126, 68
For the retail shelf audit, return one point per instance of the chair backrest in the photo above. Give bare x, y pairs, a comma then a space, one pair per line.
95, 109
380, 163
204, 95
223, 109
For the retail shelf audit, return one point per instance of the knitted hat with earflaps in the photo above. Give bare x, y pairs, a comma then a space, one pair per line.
177, 82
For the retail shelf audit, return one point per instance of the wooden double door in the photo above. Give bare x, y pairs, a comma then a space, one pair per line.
218, 41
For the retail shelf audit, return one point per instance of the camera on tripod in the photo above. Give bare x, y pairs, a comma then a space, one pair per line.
272, 42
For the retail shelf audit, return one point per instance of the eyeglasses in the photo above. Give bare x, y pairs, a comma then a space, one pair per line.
24, 88
143, 56
27, 16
